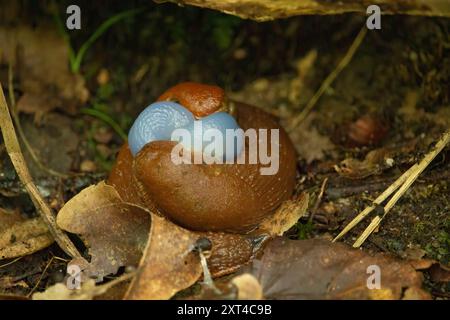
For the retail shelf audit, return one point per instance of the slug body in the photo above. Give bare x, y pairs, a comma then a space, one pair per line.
224, 201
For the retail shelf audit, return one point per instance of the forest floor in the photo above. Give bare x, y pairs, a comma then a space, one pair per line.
392, 102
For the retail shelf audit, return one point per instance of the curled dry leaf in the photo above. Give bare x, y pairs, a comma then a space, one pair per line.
169, 264
374, 163
40, 59
116, 234
19, 237
438, 271
285, 217
319, 269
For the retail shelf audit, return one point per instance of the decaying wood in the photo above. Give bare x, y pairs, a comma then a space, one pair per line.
263, 10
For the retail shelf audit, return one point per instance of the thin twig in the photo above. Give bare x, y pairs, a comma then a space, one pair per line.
18, 161
378, 201
319, 199
41, 277
440, 145
329, 79
11, 262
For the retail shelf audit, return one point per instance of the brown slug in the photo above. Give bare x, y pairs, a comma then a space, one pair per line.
224, 202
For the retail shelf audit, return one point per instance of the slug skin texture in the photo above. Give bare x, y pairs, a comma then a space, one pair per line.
222, 201
217, 197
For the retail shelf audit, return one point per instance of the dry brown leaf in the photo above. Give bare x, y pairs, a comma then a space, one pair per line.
40, 57
248, 287
310, 144
440, 273
319, 269
7, 282
8, 218
374, 163
421, 264
115, 232
285, 217
23, 238
169, 264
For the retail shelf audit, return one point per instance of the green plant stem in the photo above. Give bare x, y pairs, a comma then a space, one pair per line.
107, 119
78, 57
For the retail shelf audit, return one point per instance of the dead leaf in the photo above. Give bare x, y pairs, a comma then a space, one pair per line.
40, 59
437, 271
310, 144
319, 269
415, 293
23, 238
374, 163
285, 217
7, 282
421, 264
248, 287
169, 264
115, 232
88, 291
414, 253
9, 218
440, 273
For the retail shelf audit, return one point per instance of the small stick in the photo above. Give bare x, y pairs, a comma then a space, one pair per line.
11, 262
319, 198
14, 152
378, 201
41, 277
440, 145
329, 79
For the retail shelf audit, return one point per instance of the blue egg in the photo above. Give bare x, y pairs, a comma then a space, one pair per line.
157, 122
222, 126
